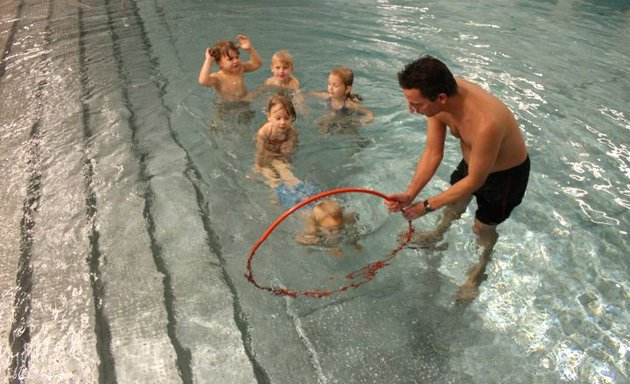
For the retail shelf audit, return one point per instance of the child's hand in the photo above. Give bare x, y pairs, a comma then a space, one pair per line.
306, 239
208, 53
337, 252
244, 42
364, 121
286, 148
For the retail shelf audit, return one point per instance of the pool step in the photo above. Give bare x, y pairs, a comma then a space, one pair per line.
94, 203
44, 266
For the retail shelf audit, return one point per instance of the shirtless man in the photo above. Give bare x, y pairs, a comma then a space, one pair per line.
495, 165
228, 80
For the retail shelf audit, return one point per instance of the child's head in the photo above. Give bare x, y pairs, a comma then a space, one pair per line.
225, 54
280, 110
328, 216
281, 64
340, 82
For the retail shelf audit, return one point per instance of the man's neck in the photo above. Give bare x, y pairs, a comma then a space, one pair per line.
455, 104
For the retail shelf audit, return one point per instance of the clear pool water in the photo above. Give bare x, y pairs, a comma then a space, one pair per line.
129, 205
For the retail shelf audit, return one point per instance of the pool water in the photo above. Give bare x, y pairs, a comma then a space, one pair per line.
129, 203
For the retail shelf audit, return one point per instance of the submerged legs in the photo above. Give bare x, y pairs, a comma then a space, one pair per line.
486, 238
451, 213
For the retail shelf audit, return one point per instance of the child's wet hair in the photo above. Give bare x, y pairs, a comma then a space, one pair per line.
285, 102
282, 56
225, 48
345, 74
347, 77
328, 208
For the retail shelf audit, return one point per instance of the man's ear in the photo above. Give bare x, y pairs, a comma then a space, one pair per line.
441, 98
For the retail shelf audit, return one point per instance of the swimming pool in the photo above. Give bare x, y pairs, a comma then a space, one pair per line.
129, 206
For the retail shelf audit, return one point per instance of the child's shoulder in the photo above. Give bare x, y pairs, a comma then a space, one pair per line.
265, 128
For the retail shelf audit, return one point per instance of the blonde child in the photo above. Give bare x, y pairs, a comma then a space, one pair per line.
282, 70
325, 222
340, 101
325, 225
228, 80
275, 141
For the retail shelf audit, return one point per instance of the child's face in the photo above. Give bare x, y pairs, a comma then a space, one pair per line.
336, 87
231, 63
281, 70
279, 117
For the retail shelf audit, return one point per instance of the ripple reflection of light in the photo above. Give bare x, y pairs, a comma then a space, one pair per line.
596, 216
577, 192
568, 359
616, 116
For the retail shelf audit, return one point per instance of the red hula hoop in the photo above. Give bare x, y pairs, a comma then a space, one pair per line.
367, 273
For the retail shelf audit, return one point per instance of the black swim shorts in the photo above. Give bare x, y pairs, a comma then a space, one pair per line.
500, 194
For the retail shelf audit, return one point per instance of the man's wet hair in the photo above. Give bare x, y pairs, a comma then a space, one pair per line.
430, 76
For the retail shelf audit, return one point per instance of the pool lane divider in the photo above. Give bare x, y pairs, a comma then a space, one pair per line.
364, 274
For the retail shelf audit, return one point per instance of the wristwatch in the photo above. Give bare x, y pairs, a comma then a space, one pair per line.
427, 207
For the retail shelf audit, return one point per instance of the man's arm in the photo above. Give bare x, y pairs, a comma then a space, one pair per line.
431, 156
426, 167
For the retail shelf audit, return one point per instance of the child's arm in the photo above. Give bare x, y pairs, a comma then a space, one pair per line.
254, 59
350, 220
205, 75
254, 94
285, 174
289, 145
308, 236
321, 95
367, 117
260, 147
294, 84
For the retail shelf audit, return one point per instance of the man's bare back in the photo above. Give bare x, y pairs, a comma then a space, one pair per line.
483, 114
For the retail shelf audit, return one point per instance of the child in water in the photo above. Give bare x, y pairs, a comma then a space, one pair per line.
228, 81
283, 80
275, 141
325, 224
340, 101
282, 70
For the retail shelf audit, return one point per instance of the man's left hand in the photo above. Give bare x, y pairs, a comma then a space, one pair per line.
413, 211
